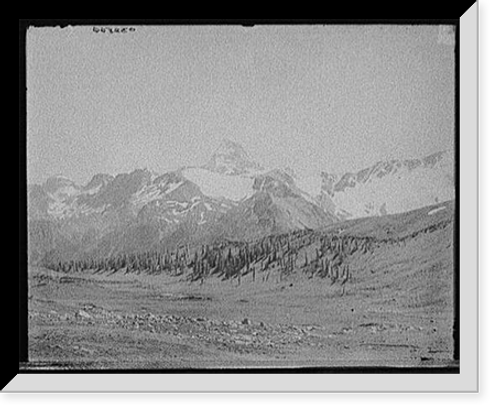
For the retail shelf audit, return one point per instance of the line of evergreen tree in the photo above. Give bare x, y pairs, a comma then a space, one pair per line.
329, 257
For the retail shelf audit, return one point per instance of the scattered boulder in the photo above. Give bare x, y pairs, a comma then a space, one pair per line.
82, 314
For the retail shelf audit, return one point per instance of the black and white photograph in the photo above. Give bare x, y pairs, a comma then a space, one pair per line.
242, 197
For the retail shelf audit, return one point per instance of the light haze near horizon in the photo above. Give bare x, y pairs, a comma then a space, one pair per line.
313, 98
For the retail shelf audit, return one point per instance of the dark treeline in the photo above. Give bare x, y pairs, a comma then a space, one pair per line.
315, 254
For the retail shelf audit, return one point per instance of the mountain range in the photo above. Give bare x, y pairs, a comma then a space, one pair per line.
230, 197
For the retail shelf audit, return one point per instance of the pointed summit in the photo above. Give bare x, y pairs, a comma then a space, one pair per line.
231, 158
227, 146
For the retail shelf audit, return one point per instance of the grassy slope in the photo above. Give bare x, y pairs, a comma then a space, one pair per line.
397, 310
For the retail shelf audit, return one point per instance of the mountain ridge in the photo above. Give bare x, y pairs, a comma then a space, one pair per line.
229, 196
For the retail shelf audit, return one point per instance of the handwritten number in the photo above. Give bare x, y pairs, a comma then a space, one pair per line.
111, 30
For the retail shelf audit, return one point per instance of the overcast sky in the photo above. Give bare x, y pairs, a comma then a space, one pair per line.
315, 98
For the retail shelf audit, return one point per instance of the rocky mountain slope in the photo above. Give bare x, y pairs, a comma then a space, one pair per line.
230, 197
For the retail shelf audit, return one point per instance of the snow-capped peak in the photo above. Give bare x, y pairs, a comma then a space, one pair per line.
390, 187
230, 158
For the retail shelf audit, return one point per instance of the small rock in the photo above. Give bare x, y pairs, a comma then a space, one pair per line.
245, 321
83, 314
